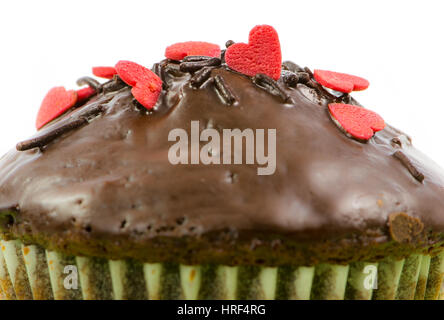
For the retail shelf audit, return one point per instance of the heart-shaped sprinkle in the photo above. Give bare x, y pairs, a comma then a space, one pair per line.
56, 102
104, 72
355, 121
180, 50
85, 93
341, 82
146, 84
262, 54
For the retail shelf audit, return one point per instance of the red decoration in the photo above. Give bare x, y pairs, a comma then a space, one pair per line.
146, 84
356, 121
341, 82
104, 72
262, 54
85, 93
178, 51
57, 101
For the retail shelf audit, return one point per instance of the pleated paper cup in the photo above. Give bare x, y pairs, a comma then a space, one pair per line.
31, 272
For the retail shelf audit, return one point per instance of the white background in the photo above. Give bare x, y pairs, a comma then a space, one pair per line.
397, 45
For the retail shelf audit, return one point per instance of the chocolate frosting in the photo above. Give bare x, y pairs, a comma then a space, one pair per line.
110, 181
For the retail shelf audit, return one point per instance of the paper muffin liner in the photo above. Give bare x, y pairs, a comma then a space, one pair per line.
31, 272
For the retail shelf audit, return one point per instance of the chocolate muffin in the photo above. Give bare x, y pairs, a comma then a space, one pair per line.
102, 203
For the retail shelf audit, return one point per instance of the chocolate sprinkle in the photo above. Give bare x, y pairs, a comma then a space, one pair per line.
270, 85
159, 70
290, 79
194, 66
293, 74
307, 70
171, 61
93, 83
196, 58
304, 77
91, 112
222, 56
200, 77
224, 90
229, 43
113, 85
45, 139
291, 66
173, 71
156, 69
409, 165
345, 98
313, 84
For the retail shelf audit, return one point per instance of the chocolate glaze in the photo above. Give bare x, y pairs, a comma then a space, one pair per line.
109, 185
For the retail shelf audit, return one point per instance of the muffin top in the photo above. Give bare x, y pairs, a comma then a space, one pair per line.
98, 180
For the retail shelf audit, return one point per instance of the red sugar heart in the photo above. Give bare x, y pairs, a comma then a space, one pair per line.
104, 72
178, 51
56, 102
146, 84
262, 54
85, 93
341, 82
355, 121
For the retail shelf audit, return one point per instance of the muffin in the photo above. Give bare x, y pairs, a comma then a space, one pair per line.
140, 187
